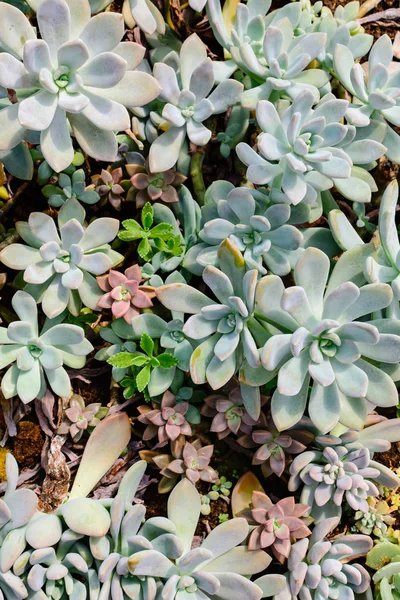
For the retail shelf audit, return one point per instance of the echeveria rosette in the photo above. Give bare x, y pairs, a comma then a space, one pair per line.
224, 327
268, 49
305, 150
216, 569
79, 417
124, 294
167, 422
263, 237
194, 464
319, 569
229, 414
59, 268
338, 470
108, 186
276, 449
80, 75
70, 187
374, 87
326, 342
189, 102
36, 357
277, 524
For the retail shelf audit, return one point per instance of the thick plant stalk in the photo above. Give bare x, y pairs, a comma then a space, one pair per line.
196, 174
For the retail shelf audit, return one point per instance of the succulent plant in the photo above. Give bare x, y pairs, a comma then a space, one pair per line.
124, 294
263, 237
306, 150
373, 86
120, 336
79, 417
188, 101
17, 506
277, 524
229, 414
225, 327
377, 521
216, 568
319, 569
326, 342
269, 51
338, 469
108, 186
148, 186
70, 187
168, 422
384, 558
194, 465
36, 357
79, 76
59, 268
276, 449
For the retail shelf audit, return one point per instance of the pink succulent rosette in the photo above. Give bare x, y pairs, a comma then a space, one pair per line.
81, 416
124, 294
154, 186
168, 422
195, 465
278, 524
107, 185
229, 414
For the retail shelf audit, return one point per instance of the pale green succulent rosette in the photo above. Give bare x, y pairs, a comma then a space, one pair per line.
79, 76
325, 342
37, 357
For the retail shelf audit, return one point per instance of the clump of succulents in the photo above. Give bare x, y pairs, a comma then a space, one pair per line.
338, 469
377, 521
124, 294
305, 150
277, 524
326, 343
168, 422
79, 76
148, 186
384, 558
319, 569
37, 357
59, 267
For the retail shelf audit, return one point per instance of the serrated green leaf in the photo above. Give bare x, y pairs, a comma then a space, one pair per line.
147, 215
162, 231
147, 344
143, 378
167, 360
123, 360
144, 249
133, 231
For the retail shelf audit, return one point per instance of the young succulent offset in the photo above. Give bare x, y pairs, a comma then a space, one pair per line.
79, 75
124, 294
79, 417
36, 357
70, 187
229, 414
327, 343
168, 422
148, 186
108, 186
194, 464
59, 267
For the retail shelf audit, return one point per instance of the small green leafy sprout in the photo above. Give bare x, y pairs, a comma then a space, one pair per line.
143, 363
223, 517
162, 235
222, 486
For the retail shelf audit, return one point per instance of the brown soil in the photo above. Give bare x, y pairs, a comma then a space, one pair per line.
27, 444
